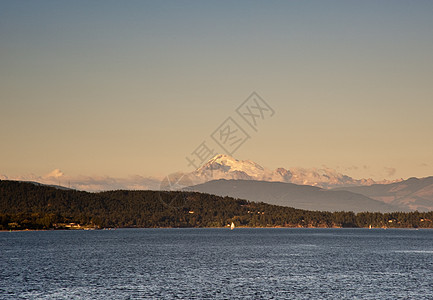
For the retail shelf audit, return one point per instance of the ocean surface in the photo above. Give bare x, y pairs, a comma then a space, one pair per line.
217, 264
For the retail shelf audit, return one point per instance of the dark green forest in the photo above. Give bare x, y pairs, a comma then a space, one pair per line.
25, 205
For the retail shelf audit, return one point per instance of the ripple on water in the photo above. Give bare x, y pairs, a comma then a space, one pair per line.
217, 264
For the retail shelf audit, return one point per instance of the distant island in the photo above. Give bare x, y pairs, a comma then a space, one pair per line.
30, 206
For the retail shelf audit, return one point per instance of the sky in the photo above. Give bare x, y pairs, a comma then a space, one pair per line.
132, 88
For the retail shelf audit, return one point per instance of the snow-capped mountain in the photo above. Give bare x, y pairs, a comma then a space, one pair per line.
226, 167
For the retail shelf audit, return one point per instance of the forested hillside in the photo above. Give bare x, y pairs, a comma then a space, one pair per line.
25, 205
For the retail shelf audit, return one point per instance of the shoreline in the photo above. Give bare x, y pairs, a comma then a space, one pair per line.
228, 228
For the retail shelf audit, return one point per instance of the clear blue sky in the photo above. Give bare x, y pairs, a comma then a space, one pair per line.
132, 87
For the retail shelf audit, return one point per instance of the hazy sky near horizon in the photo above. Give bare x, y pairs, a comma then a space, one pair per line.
119, 88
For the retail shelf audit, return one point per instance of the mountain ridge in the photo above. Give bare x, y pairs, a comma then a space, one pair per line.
223, 166
293, 195
414, 193
408, 195
25, 205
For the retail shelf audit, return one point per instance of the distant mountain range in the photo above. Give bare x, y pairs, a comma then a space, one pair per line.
293, 195
414, 193
226, 167
312, 189
29, 205
219, 167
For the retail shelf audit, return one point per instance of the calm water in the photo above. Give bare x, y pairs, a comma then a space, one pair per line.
217, 263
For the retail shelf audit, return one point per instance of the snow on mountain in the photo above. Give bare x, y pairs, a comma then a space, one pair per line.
226, 167
228, 163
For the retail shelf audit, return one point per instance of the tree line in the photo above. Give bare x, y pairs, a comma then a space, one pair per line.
25, 205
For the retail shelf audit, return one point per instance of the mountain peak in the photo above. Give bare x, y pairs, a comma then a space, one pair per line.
222, 158
228, 164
